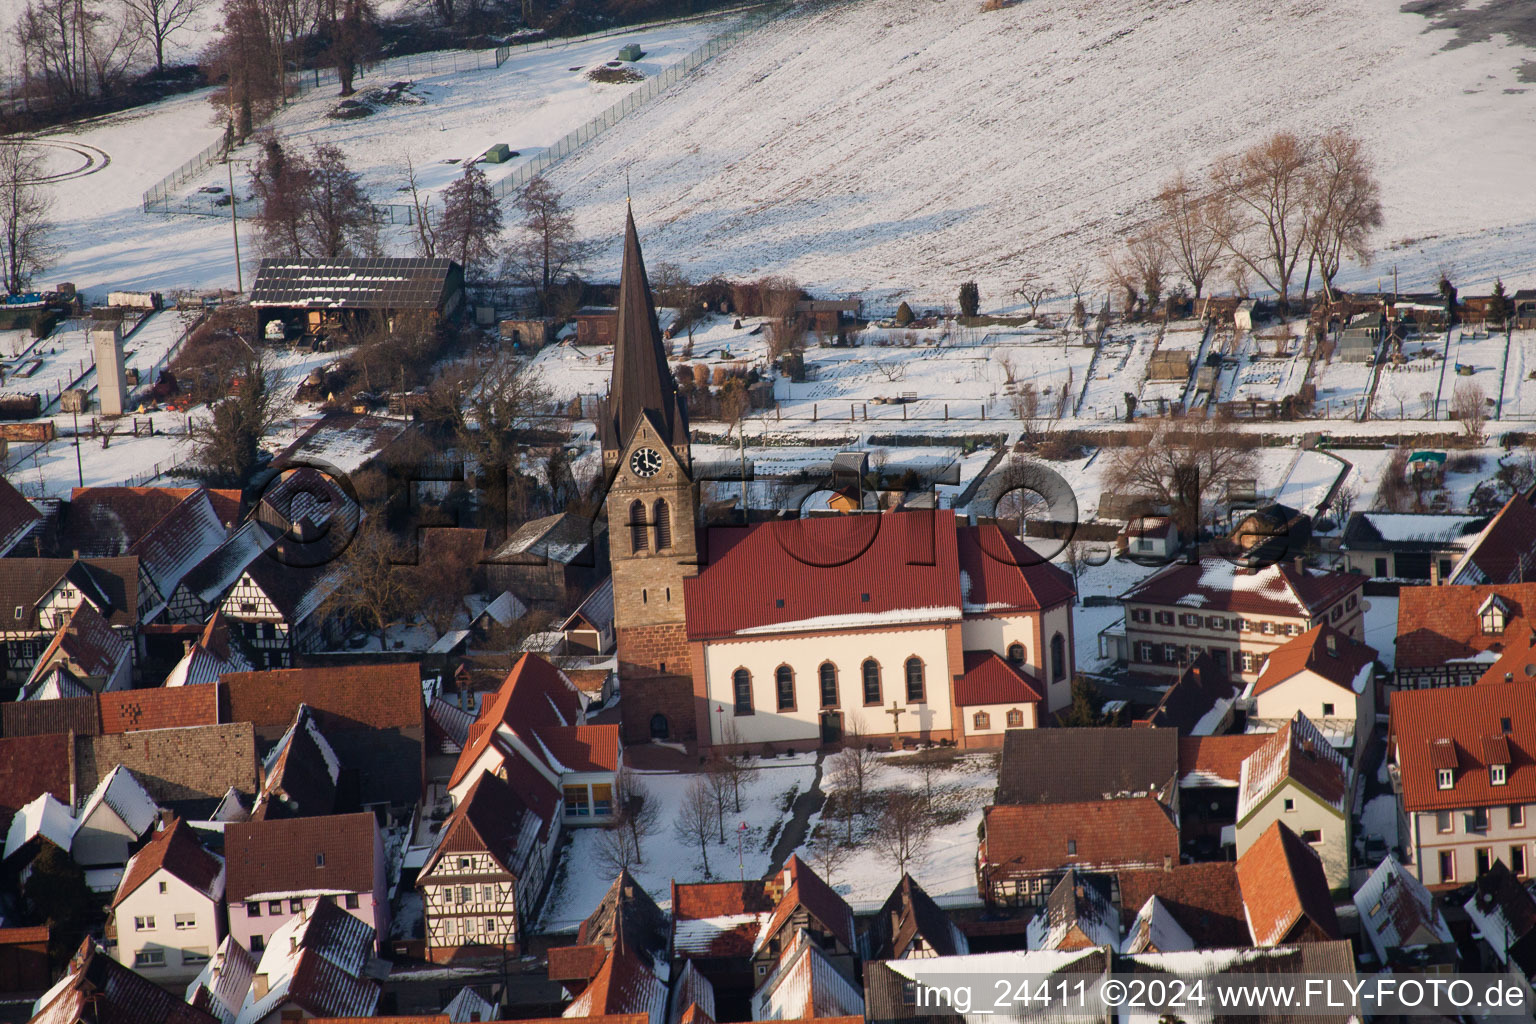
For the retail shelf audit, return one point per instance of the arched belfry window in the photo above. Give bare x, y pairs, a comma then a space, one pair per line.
637, 525
662, 514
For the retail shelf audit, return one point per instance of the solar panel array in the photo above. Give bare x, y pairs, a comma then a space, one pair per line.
387, 283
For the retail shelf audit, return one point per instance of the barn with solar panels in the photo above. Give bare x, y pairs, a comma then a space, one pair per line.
308, 299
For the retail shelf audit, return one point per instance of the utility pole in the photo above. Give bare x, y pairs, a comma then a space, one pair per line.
79, 470
234, 224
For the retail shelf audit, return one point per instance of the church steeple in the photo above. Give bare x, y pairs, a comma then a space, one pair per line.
642, 384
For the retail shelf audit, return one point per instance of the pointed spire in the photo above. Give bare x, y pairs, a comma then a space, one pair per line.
642, 383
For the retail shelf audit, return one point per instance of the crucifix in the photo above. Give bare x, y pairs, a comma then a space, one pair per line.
895, 713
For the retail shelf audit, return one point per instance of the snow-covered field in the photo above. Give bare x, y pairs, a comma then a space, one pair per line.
881, 144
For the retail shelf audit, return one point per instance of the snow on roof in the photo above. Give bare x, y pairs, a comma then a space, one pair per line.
315, 961
121, 793
698, 935
47, 817
448, 641
1034, 961
858, 620
506, 608
221, 985
805, 985
468, 1005
1301, 753
1397, 910
1445, 529
197, 667
56, 684
1155, 929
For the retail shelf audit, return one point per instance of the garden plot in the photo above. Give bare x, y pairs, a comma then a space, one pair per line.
1266, 370
1310, 481
1120, 368
1475, 362
1520, 377
1407, 390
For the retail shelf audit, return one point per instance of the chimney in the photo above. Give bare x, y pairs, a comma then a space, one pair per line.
1167, 862
259, 986
1300, 564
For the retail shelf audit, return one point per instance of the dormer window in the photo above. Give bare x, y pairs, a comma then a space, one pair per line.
1445, 778
1492, 615
1496, 774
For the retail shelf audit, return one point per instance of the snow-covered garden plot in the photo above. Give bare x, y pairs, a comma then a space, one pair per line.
1406, 390
1309, 481
1476, 360
1120, 368
831, 148
47, 366
1520, 377
768, 791
1267, 369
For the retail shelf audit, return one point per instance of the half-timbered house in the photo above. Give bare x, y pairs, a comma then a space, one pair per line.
483, 882
37, 596
274, 609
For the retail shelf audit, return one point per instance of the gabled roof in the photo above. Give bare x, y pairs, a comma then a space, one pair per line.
991, 679
1505, 550
221, 985
174, 849
804, 889
469, 1005
626, 914
301, 773
343, 443
805, 986
315, 961
625, 984
44, 818
1446, 727
159, 708
1297, 752
1411, 531
316, 518
79, 715
1156, 930
1396, 910
492, 818
1075, 765
17, 517
1216, 760
199, 666
121, 794
86, 644
1504, 912
564, 537
187, 534
297, 591
843, 572
56, 683
98, 988
1095, 836
580, 748
908, 915
210, 579
1323, 651
693, 997
1285, 893
1079, 903
381, 283
1204, 899
1198, 700
104, 521
537, 704
595, 610
1437, 625
285, 855
1215, 584
111, 584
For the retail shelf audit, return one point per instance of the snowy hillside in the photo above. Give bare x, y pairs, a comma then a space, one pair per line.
898, 144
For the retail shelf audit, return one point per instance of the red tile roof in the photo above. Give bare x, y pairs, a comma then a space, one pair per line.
1446, 727
1002, 573
1214, 584
17, 516
352, 696
1205, 899
281, 855
87, 643
1517, 663
1505, 550
176, 849
576, 963
804, 888
1109, 834
493, 818
119, 516
534, 696
582, 748
1285, 893
718, 919
158, 708
183, 537
1215, 760
33, 765
991, 679
1297, 752
1321, 650
1438, 624
99, 988
624, 985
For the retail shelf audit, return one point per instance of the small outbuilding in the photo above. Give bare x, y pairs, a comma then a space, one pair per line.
317, 298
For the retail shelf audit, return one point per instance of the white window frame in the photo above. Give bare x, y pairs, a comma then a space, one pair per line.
149, 956
1445, 778
183, 922
1498, 774
144, 923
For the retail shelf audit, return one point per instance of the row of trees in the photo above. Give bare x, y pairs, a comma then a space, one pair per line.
1265, 212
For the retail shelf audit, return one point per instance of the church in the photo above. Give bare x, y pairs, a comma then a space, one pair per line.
799, 633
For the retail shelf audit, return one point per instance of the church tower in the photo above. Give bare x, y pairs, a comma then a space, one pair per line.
651, 504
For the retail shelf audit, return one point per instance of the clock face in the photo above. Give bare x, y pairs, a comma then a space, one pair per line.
645, 462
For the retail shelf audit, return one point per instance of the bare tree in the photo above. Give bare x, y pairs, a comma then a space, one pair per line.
855, 767
930, 764
77, 50
1469, 404
1262, 208
371, 590
906, 826
1026, 406
423, 218
353, 38
312, 205
1033, 291
1344, 205
616, 851
893, 370
157, 19
1078, 279
25, 227
1179, 465
826, 853
638, 812
696, 818
1188, 232
1138, 268
470, 228
547, 250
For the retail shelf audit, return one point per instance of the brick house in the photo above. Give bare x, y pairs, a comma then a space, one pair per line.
1461, 763
1237, 614
274, 866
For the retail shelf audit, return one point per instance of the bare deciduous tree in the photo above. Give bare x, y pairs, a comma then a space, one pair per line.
312, 205
371, 589
25, 227
697, 818
1344, 205
1188, 232
1262, 206
157, 19
470, 227
547, 249
1033, 291
855, 767
906, 826
1469, 404
423, 216
1180, 465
